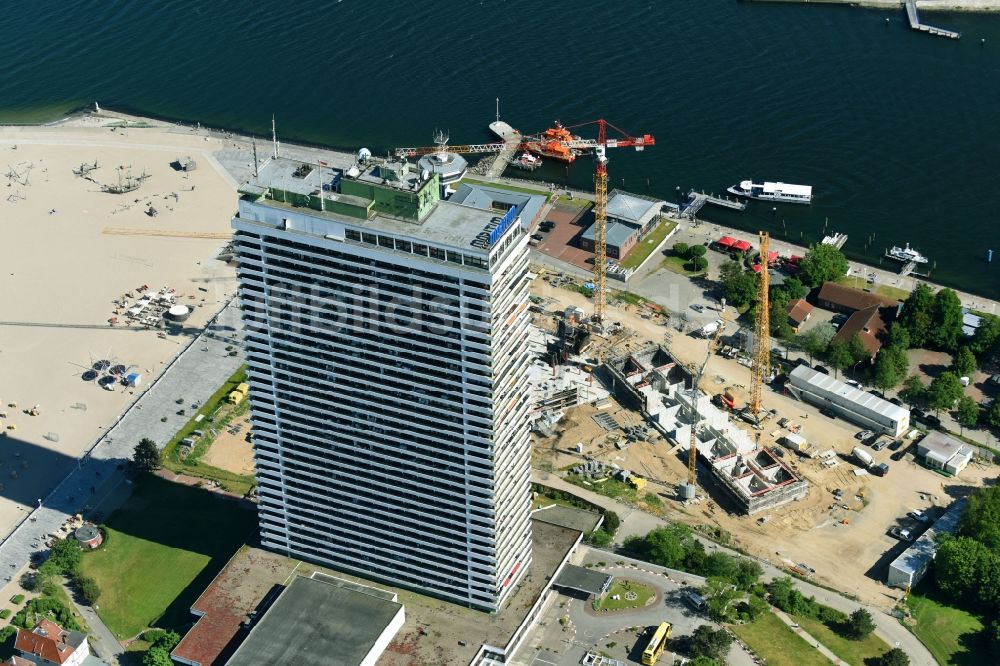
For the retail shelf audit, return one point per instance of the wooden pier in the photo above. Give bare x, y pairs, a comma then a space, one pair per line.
915, 24
697, 200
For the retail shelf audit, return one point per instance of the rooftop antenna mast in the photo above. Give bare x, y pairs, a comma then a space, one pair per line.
274, 136
441, 141
498, 109
319, 177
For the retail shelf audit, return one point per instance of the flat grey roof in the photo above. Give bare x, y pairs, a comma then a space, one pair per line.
618, 232
569, 517
314, 623
484, 198
448, 223
583, 579
633, 207
805, 375
915, 558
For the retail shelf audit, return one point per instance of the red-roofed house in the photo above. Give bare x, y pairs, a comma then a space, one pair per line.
870, 325
49, 644
799, 312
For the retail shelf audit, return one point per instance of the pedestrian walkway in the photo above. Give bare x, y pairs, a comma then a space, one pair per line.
103, 642
807, 637
194, 375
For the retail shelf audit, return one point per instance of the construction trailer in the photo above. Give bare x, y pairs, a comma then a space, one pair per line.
853, 404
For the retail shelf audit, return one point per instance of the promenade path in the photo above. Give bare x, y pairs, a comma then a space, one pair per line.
194, 375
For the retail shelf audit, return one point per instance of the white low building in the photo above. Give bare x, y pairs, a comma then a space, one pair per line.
944, 452
861, 407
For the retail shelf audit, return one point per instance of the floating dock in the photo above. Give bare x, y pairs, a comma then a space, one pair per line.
697, 200
915, 24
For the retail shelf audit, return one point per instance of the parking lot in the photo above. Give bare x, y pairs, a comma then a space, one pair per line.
621, 634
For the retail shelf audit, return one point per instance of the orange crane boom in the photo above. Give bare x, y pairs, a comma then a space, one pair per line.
760, 366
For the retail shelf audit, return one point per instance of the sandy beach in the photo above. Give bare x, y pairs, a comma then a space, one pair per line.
60, 271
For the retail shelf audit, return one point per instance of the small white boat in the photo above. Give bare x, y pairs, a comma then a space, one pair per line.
527, 161
905, 253
768, 191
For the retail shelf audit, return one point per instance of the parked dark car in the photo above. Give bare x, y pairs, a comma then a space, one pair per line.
895, 446
896, 401
537, 237
880, 470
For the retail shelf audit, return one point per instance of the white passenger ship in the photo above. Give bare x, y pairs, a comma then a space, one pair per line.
784, 192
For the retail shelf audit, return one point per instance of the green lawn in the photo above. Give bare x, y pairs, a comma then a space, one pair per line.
677, 264
609, 487
953, 636
641, 251
621, 587
576, 202
885, 290
773, 640
853, 652
505, 186
164, 547
216, 413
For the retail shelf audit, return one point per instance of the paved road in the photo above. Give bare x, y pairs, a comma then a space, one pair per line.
104, 643
637, 522
195, 374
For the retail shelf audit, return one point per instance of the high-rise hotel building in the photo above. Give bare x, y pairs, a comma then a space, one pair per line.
386, 340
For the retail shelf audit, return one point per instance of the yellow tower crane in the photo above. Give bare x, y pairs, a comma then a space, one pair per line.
760, 366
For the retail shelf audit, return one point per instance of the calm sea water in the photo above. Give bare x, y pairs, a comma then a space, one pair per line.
898, 132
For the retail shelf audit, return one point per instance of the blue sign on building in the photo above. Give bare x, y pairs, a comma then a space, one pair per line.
505, 223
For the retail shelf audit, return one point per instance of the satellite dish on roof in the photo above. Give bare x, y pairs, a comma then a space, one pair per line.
364, 155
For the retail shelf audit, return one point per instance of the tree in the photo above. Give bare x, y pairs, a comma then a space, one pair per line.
947, 319
964, 570
816, 340
696, 251
887, 368
993, 415
611, 522
858, 350
968, 413
839, 356
787, 598
719, 565
894, 657
702, 660
916, 315
823, 263
981, 520
748, 572
985, 339
914, 392
738, 286
794, 288
697, 264
899, 336
668, 546
859, 625
64, 556
719, 595
965, 362
599, 538
780, 328
711, 643
156, 656
146, 457
89, 588
944, 391
680, 249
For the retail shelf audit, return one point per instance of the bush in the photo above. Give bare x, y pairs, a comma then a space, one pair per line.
696, 263
696, 251
611, 522
680, 249
49, 607
89, 589
894, 657
599, 538
17, 599
5, 613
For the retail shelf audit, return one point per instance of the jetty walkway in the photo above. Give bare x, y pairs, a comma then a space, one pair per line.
915, 24
697, 200
511, 140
